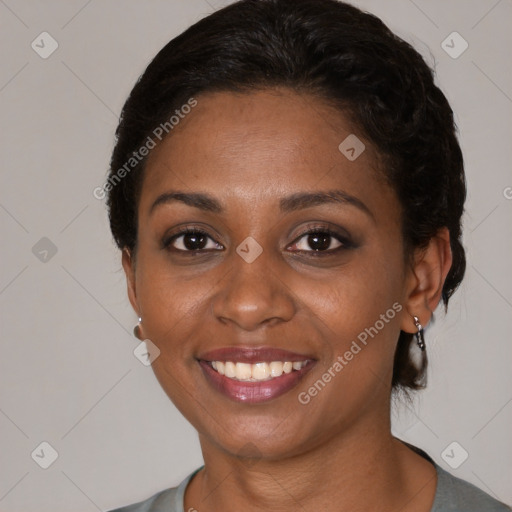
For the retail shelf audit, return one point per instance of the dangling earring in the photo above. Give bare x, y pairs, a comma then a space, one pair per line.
420, 340
136, 329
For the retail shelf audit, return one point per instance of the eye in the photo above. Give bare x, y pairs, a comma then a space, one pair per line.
321, 239
191, 240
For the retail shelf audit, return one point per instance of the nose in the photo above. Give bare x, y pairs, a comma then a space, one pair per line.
253, 295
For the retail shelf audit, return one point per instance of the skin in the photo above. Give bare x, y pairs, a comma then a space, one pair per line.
249, 151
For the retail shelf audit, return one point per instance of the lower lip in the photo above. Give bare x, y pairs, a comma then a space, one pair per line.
254, 392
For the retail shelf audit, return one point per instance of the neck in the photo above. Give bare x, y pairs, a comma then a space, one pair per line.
363, 469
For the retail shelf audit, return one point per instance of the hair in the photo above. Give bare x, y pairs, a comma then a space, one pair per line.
342, 55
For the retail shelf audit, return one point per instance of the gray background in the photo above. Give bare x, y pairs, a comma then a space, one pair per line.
68, 375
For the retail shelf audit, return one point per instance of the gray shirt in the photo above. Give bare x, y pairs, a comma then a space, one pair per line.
452, 495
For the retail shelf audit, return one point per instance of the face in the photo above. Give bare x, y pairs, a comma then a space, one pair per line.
259, 241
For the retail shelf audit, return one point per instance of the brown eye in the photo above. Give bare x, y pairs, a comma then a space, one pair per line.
192, 240
318, 242
321, 240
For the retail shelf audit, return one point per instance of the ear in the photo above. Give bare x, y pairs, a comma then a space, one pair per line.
129, 270
426, 279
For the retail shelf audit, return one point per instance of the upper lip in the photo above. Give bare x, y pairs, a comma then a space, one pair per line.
252, 355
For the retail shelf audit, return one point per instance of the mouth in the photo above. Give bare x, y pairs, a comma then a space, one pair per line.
254, 375
246, 372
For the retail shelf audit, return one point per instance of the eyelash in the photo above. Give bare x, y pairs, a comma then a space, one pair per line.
345, 242
186, 230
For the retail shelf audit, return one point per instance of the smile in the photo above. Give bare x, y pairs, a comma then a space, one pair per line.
254, 375
257, 372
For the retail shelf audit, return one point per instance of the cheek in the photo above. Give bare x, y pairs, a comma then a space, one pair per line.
351, 299
351, 313
358, 313
359, 333
172, 306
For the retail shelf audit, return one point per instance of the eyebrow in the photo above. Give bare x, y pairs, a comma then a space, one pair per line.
201, 201
307, 200
298, 201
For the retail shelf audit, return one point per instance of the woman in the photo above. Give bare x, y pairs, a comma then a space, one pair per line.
287, 190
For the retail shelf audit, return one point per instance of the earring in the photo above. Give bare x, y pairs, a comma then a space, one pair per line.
136, 329
420, 340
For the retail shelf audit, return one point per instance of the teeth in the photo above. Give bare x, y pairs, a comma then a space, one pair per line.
260, 371
276, 368
230, 369
256, 372
243, 371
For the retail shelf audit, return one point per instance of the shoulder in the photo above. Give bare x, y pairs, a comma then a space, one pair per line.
160, 502
169, 500
456, 495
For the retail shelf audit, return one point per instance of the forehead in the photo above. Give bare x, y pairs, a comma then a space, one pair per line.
263, 143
